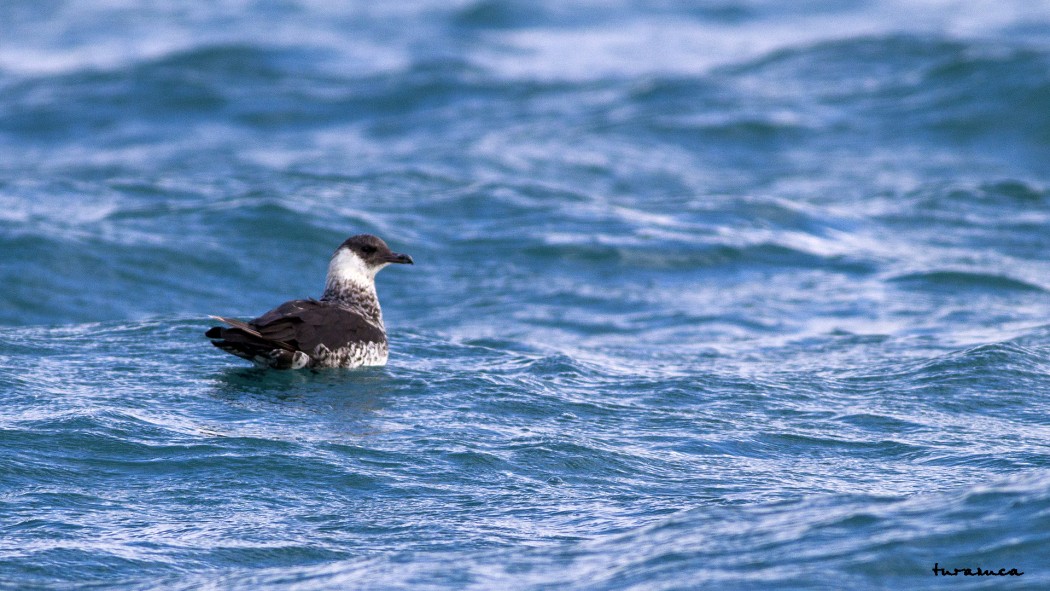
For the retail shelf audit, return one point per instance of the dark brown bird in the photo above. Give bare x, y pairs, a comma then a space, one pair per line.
342, 329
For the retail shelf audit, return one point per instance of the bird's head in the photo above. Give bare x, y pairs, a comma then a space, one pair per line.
359, 258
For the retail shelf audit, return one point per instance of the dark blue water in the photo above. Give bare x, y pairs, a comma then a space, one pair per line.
727, 295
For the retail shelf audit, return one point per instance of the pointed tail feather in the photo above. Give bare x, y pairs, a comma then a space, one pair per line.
244, 341
243, 328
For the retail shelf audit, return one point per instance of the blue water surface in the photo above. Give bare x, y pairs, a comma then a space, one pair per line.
736, 294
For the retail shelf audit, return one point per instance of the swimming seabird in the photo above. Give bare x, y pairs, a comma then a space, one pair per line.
342, 329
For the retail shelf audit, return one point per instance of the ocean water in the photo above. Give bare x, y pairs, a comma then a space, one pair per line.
707, 295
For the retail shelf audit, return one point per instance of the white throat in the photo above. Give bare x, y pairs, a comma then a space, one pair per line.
351, 282
348, 270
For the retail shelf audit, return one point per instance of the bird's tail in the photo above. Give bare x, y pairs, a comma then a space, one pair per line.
242, 340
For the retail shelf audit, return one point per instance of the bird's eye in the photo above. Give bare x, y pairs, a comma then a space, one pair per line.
368, 249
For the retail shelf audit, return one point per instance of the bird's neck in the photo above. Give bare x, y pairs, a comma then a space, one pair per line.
349, 283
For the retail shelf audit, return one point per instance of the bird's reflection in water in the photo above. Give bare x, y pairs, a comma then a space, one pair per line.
348, 400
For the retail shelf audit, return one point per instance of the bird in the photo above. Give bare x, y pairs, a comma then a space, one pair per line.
342, 329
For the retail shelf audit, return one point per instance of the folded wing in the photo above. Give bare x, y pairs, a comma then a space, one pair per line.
305, 324
286, 336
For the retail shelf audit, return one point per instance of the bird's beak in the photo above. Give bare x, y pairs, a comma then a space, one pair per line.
396, 257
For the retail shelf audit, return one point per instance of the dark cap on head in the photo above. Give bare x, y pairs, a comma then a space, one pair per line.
373, 251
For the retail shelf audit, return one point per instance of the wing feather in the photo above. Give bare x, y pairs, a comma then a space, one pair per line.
305, 324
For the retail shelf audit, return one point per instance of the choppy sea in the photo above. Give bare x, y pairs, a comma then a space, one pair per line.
708, 295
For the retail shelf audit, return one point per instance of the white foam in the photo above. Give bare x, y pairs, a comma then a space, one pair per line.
648, 46
106, 35
56, 212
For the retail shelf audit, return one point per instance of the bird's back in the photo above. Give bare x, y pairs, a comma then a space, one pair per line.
306, 333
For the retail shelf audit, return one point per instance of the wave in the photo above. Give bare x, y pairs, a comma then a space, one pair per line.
937, 83
362, 456
853, 540
933, 82
727, 296
963, 281
838, 540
